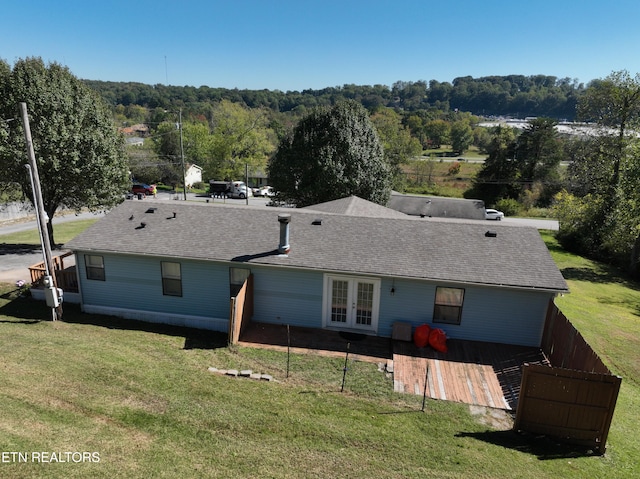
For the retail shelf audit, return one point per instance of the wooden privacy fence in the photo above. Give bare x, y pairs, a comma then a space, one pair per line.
240, 310
575, 398
565, 347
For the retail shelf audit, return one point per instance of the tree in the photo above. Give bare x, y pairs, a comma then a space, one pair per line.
613, 103
333, 153
606, 175
437, 132
538, 154
166, 138
461, 136
398, 144
80, 155
498, 177
239, 137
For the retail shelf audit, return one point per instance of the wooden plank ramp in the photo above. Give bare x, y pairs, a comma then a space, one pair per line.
483, 374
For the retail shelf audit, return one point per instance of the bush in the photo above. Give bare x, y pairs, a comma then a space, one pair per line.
454, 169
508, 206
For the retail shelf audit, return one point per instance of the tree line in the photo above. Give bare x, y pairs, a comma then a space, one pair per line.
511, 95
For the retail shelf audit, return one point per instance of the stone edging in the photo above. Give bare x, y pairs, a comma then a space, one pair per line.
244, 373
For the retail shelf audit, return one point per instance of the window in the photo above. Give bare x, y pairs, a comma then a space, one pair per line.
339, 299
95, 267
171, 279
448, 305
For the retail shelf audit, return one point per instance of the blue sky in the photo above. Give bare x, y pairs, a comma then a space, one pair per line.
313, 44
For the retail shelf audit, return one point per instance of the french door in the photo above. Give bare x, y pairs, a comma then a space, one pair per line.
352, 303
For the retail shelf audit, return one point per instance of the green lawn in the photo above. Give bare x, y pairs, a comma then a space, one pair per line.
63, 232
141, 398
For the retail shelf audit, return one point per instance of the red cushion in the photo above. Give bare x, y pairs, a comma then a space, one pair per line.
438, 340
421, 335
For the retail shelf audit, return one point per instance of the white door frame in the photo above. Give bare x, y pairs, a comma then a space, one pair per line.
351, 321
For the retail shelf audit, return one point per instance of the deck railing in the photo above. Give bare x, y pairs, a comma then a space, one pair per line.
66, 277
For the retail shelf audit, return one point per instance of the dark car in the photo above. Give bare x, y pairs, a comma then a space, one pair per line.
143, 188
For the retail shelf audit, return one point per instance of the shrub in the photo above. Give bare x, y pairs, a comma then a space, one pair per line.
508, 206
454, 169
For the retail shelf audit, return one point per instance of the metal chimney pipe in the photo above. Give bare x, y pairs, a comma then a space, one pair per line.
284, 219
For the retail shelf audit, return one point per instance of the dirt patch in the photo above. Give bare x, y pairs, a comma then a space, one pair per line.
498, 419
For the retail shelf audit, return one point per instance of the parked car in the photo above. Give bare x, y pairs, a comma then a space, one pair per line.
143, 188
264, 191
491, 214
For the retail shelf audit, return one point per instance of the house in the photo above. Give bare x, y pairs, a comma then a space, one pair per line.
258, 178
179, 263
134, 141
193, 175
437, 206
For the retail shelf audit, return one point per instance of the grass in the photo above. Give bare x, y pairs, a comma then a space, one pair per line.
140, 396
432, 177
63, 232
445, 151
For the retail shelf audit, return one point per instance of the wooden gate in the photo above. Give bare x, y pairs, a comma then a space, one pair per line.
573, 405
240, 310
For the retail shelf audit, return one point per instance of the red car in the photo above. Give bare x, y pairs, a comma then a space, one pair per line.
143, 188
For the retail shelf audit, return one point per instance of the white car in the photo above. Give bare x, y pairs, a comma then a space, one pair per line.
266, 191
491, 214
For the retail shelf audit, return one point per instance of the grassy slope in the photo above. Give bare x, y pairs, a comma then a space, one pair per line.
605, 307
143, 399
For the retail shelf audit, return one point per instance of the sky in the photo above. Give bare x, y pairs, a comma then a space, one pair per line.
294, 45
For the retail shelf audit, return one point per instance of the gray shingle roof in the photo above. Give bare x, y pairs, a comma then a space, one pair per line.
355, 206
427, 249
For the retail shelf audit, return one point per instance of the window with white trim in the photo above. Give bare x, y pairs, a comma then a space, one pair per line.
448, 305
94, 265
171, 279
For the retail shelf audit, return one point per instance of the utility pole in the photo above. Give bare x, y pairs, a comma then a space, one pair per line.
41, 216
184, 175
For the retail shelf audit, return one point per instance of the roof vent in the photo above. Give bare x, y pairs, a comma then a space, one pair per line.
491, 234
317, 222
151, 210
284, 219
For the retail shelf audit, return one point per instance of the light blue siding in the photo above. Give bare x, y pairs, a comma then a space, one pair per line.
295, 297
135, 283
488, 314
285, 296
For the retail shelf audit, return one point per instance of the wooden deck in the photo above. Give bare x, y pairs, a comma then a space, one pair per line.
471, 372
318, 341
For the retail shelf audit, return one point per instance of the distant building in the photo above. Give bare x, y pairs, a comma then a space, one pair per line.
193, 175
437, 206
134, 141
